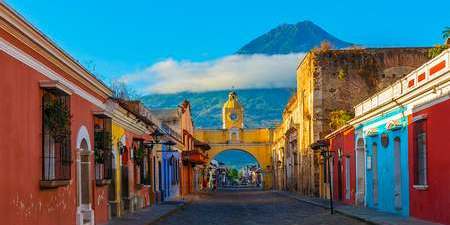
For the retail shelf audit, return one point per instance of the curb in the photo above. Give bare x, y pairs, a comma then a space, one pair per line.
327, 207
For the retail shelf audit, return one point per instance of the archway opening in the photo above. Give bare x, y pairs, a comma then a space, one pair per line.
236, 168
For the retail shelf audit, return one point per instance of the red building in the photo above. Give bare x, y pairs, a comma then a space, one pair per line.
342, 144
49, 104
429, 161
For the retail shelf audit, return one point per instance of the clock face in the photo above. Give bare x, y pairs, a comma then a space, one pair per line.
233, 116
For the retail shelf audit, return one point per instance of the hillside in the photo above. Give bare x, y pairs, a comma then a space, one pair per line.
263, 107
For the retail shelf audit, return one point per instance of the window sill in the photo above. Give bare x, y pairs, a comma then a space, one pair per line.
102, 182
420, 187
49, 184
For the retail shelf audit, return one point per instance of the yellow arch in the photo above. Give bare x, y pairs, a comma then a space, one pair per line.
216, 153
256, 142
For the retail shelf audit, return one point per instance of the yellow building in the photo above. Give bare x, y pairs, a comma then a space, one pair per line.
123, 124
285, 152
234, 136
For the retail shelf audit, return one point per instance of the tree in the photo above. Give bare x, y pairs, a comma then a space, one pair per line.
122, 91
438, 49
446, 33
338, 118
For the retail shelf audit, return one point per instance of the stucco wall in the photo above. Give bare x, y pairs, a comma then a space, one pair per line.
338, 80
23, 202
345, 141
385, 159
434, 202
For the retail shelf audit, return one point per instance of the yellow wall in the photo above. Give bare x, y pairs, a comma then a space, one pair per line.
253, 141
309, 174
117, 133
231, 106
220, 136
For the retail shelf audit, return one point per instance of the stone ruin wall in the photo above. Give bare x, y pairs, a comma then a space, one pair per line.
344, 78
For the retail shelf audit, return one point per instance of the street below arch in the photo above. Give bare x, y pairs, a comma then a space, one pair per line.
252, 207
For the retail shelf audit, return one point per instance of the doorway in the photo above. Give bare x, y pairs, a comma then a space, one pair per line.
360, 172
375, 173
160, 181
397, 175
339, 174
85, 214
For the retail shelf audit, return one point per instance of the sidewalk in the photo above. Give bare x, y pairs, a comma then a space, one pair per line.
370, 216
153, 214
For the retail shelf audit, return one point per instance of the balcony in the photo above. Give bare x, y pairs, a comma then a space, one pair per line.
195, 157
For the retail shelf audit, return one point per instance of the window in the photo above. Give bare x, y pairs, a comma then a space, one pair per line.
103, 147
140, 162
347, 177
149, 169
56, 152
144, 172
420, 152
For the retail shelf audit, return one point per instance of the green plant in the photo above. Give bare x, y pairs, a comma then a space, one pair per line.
139, 154
56, 118
438, 49
446, 33
99, 156
338, 118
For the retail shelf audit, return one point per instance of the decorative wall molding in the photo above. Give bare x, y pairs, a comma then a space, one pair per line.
44, 70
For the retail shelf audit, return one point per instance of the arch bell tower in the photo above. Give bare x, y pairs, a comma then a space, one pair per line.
234, 136
232, 113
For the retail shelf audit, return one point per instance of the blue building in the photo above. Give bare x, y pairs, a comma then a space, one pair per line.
170, 172
385, 137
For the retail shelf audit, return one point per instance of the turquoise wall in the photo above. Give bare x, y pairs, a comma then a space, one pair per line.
386, 162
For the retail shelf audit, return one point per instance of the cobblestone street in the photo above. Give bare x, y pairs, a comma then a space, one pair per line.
252, 207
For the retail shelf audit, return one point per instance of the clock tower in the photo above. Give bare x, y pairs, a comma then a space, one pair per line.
232, 113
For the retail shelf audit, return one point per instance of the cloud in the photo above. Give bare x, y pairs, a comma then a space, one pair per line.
239, 71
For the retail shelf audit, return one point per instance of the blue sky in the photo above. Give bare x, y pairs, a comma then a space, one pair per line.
236, 158
128, 37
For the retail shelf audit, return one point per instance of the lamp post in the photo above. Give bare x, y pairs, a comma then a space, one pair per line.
156, 140
322, 147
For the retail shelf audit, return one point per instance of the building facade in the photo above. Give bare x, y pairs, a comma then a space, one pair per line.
285, 153
427, 142
386, 161
88, 156
332, 80
51, 100
342, 146
402, 157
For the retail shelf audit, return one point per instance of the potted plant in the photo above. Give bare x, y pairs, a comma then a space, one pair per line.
57, 119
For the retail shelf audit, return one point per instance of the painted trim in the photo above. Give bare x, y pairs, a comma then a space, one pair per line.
21, 29
383, 121
419, 117
83, 134
430, 103
44, 70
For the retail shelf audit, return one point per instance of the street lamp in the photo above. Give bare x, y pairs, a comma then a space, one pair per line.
156, 135
322, 147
